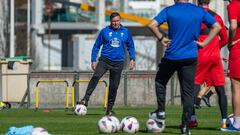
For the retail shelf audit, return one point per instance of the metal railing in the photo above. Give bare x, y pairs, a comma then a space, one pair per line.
51, 81
105, 99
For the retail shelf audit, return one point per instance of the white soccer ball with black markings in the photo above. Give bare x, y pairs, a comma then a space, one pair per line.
39, 131
107, 125
80, 110
130, 124
116, 122
155, 127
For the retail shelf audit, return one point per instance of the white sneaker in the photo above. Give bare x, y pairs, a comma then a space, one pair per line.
157, 117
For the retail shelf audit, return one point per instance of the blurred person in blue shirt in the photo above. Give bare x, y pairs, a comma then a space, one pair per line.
184, 21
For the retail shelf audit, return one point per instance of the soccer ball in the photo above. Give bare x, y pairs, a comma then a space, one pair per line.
107, 125
230, 119
116, 122
80, 110
39, 131
130, 124
155, 127
121, 123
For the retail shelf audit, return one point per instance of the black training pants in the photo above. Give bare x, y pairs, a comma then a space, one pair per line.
114, 80
186, 69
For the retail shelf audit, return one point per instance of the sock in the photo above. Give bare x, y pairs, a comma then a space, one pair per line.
236, 122
193, 112
161, 113
224, 121
209, 94
193, 118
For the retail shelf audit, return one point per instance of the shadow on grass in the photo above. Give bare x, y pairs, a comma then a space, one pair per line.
143, 131
206, 128
198, 128
91, 114
165, 132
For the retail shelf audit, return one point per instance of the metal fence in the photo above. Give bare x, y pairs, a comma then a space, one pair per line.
137, 88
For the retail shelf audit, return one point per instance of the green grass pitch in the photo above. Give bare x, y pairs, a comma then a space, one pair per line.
59, 122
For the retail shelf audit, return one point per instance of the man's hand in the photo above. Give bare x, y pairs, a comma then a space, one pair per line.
131, 65
200, 44
154, 27
233, 43
165, 42
213, 32
94, 65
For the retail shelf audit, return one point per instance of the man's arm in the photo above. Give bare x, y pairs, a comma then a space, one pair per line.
154, 27
233, 17
232, 31
223, 34
95, 50
131, 51
213, 32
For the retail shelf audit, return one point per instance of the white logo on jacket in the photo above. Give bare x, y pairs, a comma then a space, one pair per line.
110, 34
122, 34
115, 42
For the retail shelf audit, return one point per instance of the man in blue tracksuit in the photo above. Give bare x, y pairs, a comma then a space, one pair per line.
113, 39
184, 22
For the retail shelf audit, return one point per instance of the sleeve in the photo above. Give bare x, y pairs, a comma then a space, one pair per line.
232, 12
208, 19
130, 46
223, 32
96, 46
161, 17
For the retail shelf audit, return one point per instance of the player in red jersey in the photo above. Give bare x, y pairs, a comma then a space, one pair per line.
206, 90
210, 64
234, 60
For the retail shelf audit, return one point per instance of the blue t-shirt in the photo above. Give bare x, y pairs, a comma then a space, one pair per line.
113, 42
184, 24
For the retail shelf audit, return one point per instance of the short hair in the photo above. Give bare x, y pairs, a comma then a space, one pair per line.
201, 2
114, 14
